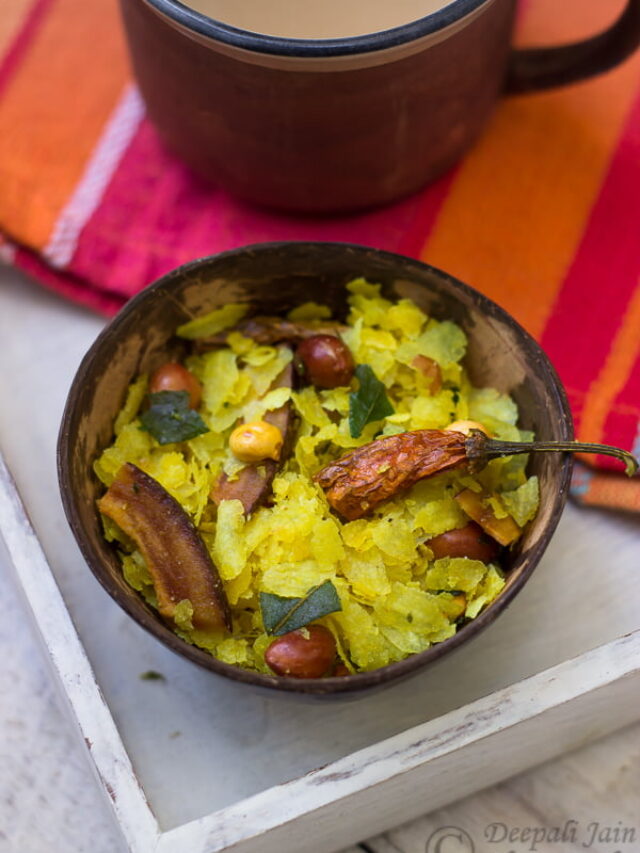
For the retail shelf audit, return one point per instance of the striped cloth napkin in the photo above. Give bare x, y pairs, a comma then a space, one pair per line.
543, 215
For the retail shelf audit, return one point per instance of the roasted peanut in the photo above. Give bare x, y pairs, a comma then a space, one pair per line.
305, 653
465, 427
174, 377
326, 360
469, 541
430, 369
256, 441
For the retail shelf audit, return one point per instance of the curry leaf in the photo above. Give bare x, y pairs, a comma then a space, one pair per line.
369, 403
281, 615
170, 419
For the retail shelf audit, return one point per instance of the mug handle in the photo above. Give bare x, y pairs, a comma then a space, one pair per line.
531, 69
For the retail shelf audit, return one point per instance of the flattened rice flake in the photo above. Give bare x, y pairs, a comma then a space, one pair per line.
395, 539
438, 516
182, 615
411, 609
455, 573
363, 641
522, 503
487, 403
435, 412
367, 576
131, 445
136, 393
309, 311
405, 318
490, 588
228, 552
213, 322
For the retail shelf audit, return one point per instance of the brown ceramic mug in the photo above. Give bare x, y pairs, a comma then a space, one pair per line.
326, 125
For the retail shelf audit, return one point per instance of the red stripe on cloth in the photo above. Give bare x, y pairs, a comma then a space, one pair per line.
600, 282
430, 202
20, 45
155, 214
66, 285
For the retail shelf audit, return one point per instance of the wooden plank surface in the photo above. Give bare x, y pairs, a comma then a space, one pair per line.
70, 670
594, 791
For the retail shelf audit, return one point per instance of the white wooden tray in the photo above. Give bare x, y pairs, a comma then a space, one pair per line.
193, 763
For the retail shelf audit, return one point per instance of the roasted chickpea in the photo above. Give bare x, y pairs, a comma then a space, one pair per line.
326, 360
256, 441
430, 369
469, 541
465, 427
305, 653
174, 377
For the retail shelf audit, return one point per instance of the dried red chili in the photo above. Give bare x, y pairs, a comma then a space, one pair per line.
358, 482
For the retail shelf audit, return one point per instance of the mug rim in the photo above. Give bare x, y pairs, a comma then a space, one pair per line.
256, 42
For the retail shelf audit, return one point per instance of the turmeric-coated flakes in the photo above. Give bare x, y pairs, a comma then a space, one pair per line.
396, 598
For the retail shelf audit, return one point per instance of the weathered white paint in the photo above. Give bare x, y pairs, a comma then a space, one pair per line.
433, 764
69, 662
598, 783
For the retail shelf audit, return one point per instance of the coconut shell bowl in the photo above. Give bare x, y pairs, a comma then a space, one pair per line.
274, 278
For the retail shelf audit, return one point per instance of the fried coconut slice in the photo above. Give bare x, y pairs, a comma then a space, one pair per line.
174, 553
252, 486
271, 330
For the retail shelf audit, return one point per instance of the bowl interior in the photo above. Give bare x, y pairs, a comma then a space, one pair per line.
276, 277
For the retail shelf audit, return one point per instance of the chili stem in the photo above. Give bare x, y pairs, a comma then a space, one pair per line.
492, 449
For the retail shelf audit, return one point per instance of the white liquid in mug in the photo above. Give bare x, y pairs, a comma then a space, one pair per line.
316, 19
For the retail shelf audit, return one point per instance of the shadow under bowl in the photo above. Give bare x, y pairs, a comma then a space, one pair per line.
276, 277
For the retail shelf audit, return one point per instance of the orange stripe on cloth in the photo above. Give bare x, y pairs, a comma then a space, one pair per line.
12, 16
53, 111
520, 202
613, 491
548, 22
21, 44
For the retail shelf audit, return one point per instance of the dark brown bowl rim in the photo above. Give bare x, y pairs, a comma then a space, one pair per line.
330, 685
278, 46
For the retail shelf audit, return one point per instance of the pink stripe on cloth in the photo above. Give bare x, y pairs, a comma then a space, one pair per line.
623, 420
155, 214
600, 287
7, 250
